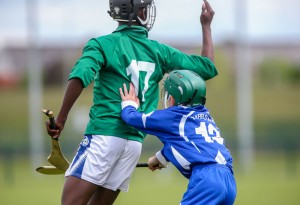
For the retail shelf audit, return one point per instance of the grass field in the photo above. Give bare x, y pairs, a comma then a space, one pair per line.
271, 180
274, 178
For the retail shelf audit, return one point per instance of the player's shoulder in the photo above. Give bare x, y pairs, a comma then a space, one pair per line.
100, 41
155, 42
107, 37
162, 47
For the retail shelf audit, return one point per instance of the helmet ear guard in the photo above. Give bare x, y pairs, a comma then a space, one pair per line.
186, 87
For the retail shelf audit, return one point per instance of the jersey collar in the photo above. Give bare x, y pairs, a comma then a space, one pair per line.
134, 30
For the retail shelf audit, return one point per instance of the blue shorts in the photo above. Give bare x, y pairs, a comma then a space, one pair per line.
210, 185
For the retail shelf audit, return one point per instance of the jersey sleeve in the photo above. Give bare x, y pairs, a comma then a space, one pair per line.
161, 158
175, 59
89, 64
150, 123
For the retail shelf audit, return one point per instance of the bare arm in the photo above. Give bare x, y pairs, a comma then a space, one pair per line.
73, 91
206, 18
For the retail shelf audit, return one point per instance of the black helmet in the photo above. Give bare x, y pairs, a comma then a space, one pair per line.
127, 11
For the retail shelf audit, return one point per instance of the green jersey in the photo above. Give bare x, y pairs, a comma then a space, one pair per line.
127, 55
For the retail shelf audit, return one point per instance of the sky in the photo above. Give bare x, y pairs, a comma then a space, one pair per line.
177, 20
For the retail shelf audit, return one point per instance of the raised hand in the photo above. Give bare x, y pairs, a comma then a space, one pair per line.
207, 14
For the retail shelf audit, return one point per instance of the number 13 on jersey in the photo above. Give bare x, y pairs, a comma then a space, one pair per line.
209, 132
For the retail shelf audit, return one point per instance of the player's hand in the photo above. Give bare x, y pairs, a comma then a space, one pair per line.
129, 95
54, 133
207, 14
154, 163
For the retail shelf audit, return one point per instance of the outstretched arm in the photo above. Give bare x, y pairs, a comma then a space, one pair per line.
149, 123
206, 18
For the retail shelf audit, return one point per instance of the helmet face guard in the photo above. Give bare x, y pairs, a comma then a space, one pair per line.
128, 10
165, 98
151, 16
186, 87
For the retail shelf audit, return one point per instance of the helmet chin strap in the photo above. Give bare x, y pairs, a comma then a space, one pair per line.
130, 19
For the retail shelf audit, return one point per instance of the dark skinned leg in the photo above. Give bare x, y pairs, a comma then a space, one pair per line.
103, 196
77, 191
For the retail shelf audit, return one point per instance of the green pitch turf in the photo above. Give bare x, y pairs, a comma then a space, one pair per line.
271, 180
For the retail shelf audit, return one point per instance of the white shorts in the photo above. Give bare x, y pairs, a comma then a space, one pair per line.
106, 161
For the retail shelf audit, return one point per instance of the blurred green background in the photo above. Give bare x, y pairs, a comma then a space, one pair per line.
40, 45
272, 178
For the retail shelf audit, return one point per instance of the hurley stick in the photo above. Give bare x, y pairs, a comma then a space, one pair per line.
56, 158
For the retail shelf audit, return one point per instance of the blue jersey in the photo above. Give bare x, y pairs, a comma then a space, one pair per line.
189, 134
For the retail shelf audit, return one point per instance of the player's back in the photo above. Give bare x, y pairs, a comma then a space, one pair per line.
131, 57
128, 56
